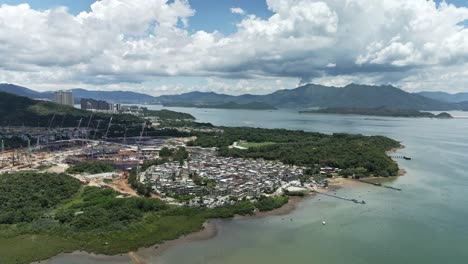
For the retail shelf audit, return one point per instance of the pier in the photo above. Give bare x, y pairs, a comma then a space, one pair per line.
378, 184
341, 197
399, 157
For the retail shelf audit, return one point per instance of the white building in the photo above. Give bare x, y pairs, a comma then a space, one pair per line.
64, 97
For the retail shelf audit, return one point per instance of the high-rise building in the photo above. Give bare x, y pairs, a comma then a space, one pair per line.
91, 104
64, 97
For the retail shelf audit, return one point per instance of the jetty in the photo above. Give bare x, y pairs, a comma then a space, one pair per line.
400, 157
341, 197
378, 184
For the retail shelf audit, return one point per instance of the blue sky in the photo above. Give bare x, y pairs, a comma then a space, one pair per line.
210, 15
145, 47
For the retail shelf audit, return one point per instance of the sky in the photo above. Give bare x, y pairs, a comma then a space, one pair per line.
233, 46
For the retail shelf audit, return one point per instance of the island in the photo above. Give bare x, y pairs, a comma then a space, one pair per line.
380, 111
125, 181
228, 105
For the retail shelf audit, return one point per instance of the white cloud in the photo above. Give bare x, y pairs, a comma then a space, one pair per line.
237, 10
120, 42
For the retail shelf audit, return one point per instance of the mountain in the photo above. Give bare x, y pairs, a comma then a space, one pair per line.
111, 96
307, 96
23, 91
311, 95
446, 97
19, 110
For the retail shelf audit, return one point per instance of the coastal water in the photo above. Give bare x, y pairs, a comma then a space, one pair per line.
426, 222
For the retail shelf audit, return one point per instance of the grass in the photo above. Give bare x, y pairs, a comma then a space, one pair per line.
29, 248
255, 144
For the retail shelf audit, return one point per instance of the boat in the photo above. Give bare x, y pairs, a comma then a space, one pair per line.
324, 223
407, 158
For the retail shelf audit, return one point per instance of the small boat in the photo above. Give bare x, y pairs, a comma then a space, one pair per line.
324, 223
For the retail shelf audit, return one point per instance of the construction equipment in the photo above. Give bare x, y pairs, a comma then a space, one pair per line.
108, 127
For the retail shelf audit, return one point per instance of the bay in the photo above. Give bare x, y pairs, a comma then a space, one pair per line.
424, 223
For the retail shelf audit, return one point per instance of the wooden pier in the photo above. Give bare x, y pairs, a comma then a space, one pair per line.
378, 184
341, 197
399, 157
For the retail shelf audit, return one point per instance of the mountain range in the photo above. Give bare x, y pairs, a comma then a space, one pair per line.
307, 96
446, 97
111, 96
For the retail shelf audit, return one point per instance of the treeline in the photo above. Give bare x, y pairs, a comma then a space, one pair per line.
268, 203
27, 196
379, 111
91, 167
165, 114
13, 142
53, 208
343, 151
17, 111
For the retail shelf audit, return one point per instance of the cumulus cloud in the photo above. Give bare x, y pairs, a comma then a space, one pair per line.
237, 10
333, 41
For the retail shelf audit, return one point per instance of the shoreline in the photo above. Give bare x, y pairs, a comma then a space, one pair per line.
210, 228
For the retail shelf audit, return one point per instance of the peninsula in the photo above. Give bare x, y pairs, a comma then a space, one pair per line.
139, 178
380, 111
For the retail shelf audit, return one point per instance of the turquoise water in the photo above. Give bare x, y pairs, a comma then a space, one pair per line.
427, 222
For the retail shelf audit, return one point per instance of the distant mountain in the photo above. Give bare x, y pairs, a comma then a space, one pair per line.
114, 96
307, 96
311, 95
19, 110
446, 97
380, 111
229, 105
111, 96
23, 91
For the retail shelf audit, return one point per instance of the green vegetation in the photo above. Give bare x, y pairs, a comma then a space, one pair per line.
30, 112
254, 144
308, 149
201, 181
380, 111
13, 142
45, 214
167, 114
268, 203
180, 154
26, 196
91, 167
295, 193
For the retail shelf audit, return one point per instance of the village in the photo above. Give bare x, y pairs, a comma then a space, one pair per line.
208, 180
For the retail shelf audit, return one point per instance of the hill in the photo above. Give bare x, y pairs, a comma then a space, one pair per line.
18, 110
23, 91
311, 95
228, 105
380, 111
446, 97
111, 96
114, 96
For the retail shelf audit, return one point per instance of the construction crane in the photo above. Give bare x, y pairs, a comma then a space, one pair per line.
139, 151
108, 127
89, 123
79, 125
125, 135
51, 121
96, 129
3, 151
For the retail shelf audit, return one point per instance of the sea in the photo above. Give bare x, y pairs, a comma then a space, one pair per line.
426, 222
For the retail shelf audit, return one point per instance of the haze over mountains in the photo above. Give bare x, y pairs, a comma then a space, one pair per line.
307, 96
446, 97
